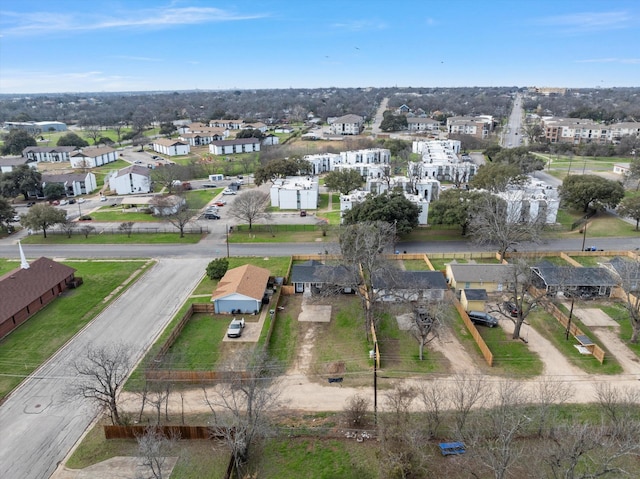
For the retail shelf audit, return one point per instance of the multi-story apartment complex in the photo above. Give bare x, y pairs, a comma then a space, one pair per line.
476, 126
578, 131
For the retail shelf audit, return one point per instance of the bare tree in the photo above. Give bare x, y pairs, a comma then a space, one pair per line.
102, 372
126, 227
548, 393
427, 322
356, 410
154, 449
240, 405
362, 246
86, 230
93, 132
465, 393
250, 206
628, 272
498, 222
175, 209
494, 437
68, 227
618, 405
434, 397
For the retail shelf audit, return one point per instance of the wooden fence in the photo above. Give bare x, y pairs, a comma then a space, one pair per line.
484, 349
181, 432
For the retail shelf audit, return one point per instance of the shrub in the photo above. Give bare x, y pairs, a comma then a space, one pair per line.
217, 268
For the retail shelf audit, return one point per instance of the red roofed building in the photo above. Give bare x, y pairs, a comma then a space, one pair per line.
28, 289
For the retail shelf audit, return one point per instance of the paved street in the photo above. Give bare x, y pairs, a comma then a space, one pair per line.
39, 423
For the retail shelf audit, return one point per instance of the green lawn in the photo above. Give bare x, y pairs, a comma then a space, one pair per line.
23, 350
415, 265
311, 458
137, 238
284, 338
619, 313
510, 356
121, 215
282, 234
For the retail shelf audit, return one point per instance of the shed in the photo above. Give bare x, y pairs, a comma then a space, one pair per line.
240, 291
473, 299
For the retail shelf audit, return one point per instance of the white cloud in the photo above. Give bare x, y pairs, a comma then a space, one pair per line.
588, 21
360, 25
624, 61
40, 23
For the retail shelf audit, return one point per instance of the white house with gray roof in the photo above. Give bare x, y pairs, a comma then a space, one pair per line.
295, 193
92, 157
347, 125
49, 154
75, 184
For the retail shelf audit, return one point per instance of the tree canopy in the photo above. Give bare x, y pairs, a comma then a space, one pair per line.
591, 191
42, 217
250, 133
630, 207
6, 211
496, 177
250, 206
392, 122
71, 139
282, 168
343, 181
392, 208
54, 191
16, 141
21, 180
454, 207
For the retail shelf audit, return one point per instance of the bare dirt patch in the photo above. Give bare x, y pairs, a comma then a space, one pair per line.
594, 317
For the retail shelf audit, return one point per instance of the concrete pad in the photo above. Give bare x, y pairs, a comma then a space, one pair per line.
594, 317
318, 313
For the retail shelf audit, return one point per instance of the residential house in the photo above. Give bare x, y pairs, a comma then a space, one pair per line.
28, 289
201, 138
92, 157
490, 277
228, 147
9, 163
295, 193
623, 169
227, 124
75, 184
241, 290
313, 276
584, 282
171, 147
626, 271
130, 180
255, 126
347, 125
409, 286
49, 154
284, 129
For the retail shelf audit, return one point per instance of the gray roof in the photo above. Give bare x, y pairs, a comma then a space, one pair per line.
48, 149
569, 276
63, 177
410, 280
476, 294
314, 271
12, 160
350, 118
135, 169
493, 273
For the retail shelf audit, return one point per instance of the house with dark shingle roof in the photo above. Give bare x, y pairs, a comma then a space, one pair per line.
9, 163
48, 154
314, 275
26, 290
241, 289
240, 145
587, 281
410, 286
92, 157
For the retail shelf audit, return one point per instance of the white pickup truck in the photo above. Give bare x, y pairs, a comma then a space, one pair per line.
235, 328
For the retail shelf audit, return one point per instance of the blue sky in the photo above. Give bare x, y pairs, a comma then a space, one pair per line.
137, 45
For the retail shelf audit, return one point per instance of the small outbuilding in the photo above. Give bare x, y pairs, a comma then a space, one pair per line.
473, 299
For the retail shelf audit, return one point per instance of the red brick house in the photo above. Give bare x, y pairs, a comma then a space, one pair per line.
26, 290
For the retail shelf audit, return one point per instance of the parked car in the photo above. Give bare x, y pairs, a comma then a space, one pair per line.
593, 248
511, 308
62, 202
211, 216
72, 201
30, 204
103, 198
303, 213
16, 218
235, 328
482, 318
220, 203
228, 192
81, 200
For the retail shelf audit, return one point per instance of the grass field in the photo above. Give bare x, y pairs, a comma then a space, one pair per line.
24, 349
511, 357
93, 238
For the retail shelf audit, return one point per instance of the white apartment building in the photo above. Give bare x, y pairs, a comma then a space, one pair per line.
347, 125
577, 130
92, 157
366, 161
440, 161
171, 147
348, 201
426, 188
130, 180
295, 193
477, 126
48, 154
534, 200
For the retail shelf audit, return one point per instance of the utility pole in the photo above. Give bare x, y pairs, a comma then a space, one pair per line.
566, 336
227, 228
584, 234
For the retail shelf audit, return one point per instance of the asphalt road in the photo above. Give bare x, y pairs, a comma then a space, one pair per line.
512, 136
39, 422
